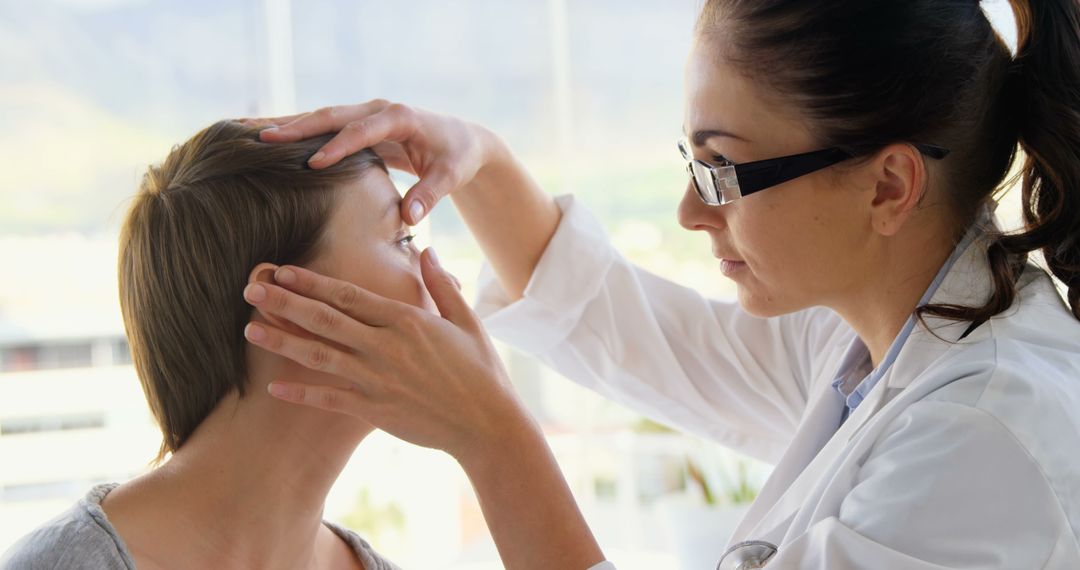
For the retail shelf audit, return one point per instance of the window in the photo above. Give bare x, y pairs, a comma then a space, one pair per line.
15, 426
47, 356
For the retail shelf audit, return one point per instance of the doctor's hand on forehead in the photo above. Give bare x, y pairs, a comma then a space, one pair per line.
510, 216
443, 151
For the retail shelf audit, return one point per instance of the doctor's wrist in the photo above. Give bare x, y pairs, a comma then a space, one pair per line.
488, 454
527, 504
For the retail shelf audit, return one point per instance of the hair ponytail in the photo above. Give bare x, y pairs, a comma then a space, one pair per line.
1041, 95
1047, 71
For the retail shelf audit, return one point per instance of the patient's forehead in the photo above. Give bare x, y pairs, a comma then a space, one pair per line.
371, 201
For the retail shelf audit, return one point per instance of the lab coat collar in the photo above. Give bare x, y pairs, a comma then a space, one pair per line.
967, 280
968, 253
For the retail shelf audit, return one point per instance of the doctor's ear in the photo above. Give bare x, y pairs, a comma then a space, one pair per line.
898, 177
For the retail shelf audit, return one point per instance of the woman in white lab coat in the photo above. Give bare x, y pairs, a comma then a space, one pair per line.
914, 378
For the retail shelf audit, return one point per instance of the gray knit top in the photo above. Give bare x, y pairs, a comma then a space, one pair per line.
82, 538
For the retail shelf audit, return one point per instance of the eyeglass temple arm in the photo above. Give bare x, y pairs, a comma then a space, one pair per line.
932, 150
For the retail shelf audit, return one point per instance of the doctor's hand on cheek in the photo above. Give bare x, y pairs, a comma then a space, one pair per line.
434, 380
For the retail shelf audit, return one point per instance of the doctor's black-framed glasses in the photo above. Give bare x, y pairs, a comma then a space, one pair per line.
718, 185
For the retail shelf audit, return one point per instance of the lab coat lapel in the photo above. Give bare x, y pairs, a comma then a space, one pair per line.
775, 524
817, 427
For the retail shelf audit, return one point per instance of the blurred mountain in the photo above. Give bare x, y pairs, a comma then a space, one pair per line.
92, 91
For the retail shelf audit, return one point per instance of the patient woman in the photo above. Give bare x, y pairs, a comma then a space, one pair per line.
246, 475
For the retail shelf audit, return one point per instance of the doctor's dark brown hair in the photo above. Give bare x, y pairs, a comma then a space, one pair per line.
884, 71
219, 204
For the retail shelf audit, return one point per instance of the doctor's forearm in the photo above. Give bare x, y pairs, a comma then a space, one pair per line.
529, 508
512, 218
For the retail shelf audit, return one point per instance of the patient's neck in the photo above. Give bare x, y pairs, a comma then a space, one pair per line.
253, 478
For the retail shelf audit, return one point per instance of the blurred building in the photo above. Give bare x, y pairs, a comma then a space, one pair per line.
68, 392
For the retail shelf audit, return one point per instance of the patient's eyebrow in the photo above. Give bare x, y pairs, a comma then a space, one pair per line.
387, 216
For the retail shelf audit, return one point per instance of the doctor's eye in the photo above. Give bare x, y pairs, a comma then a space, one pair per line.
722, 161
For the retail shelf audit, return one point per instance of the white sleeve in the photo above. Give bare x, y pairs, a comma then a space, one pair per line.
946, 487
704, 366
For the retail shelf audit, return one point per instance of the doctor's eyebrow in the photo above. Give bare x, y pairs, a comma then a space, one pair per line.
699, 138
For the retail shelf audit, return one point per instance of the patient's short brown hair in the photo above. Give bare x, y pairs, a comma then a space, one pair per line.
219, 204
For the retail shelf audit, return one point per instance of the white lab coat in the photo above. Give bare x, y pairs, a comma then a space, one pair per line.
964, 455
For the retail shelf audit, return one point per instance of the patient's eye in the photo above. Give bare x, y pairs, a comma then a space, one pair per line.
405, 241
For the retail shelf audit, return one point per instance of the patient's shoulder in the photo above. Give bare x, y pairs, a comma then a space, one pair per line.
78, 538
372, 560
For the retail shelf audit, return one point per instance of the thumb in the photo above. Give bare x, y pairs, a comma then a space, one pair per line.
422, 197
446, 292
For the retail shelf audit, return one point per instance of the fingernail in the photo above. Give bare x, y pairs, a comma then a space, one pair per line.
285, 276
317, 157
434, 257
416, 210
270, 129
254, 332
277, 389
255, 293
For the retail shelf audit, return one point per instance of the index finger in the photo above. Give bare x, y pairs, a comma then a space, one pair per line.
268, 121
390, 124
356, 302
325, 120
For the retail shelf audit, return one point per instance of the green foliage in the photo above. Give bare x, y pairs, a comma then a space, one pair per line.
736, 490
372, 521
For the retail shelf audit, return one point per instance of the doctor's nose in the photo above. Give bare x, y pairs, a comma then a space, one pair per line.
696, 215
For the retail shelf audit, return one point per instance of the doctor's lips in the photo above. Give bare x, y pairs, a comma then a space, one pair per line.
729, 265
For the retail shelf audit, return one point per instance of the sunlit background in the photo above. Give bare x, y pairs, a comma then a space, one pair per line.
588, 93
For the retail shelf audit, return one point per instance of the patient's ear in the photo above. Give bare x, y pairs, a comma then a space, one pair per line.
264, 273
